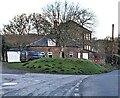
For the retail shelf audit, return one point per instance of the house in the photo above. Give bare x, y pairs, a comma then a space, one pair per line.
49, 48
78, 46
78, 34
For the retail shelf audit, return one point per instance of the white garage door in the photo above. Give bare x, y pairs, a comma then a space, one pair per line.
13, 56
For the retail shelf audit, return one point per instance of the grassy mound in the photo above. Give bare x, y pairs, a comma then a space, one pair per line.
60, 66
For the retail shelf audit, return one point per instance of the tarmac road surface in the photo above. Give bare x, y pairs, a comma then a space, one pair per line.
31, 84
100, 85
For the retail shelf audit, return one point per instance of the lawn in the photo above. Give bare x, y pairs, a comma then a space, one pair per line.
61, 66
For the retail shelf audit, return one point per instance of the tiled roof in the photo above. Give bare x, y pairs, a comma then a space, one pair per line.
41, 42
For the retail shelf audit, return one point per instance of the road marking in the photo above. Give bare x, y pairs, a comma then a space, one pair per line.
36, 80
77, 85
77, 94
1, 93
76, 89
8, 84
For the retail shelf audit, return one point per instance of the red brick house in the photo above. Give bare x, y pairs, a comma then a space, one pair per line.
74, 49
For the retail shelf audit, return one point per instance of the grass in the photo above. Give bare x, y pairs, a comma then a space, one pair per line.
61, 66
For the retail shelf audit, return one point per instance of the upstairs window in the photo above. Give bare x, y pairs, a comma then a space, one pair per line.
84, 36
89, 36
85, 46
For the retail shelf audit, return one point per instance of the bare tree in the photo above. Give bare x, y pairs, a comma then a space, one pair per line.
26, 25
23, 24
39, 23
17, 25
53, 15
63, 12
58, 13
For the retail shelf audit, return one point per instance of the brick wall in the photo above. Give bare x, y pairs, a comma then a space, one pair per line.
56, 51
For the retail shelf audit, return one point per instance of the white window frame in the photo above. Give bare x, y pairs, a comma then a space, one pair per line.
85, 46
51, 42
43, 53
49, 53
87, 36
71, 53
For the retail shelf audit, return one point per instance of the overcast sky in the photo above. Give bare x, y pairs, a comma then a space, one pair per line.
105, 10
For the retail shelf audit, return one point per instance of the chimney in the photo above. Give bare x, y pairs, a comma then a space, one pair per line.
112, 32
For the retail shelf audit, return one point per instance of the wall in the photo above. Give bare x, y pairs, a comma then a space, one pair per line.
56, 51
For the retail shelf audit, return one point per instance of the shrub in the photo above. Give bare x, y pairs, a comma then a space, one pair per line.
60, 62
53, 64
73, 68
62, 70
54, 71
47, 65
27, 67
47, 69
39, 66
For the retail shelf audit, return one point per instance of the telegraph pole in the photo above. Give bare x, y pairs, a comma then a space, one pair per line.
113, 44
118, 33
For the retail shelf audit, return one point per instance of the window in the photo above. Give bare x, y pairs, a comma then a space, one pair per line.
43, 53
71, 54
51, 42
89, 36
85, 46
89, 47
50, 54
84, 36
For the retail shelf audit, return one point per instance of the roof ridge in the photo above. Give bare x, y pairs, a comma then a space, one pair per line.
35, 41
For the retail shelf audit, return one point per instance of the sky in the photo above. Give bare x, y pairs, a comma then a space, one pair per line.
106, 12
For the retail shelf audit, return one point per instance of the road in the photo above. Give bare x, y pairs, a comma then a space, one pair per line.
33, 84
99, 85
